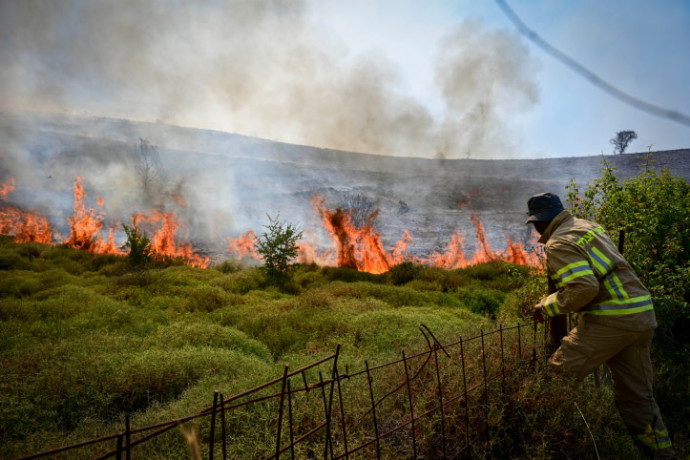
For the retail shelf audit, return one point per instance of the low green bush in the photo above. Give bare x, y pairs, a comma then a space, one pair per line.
449, 280
404, 273
306, 278
350, 275
10, 260
241, 282
204, 299
100, 262
229, 266
481, 301
196, 334
19, 284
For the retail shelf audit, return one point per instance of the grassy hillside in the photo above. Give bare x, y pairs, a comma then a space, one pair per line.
86, 339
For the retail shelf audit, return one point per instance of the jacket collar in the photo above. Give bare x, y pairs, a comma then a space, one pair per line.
555, 223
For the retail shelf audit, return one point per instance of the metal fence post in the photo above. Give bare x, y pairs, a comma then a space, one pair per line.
409, 396
222, 426
292, 429
373, 410
486, 384
519, 344
342, 417
118, 447
503, 364
464, 385
329, 408
280, 411
440, 401
212, 440
127, 438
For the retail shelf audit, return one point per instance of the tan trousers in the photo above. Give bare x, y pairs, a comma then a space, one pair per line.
627, 354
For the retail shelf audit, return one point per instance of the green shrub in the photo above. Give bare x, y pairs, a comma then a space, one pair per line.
10, 260
139, 245
241, 282
498, 275
55, 277
278, 247
229, 266
308, 278
519, 303
139, 278
423, 285
350, 275
481, 301
19, 284
197, 334
101, 261
404, 273
393, 296
7, 241
654, 210
117, 268
31, 250
449, 280
205, 299
315, 299
62, 251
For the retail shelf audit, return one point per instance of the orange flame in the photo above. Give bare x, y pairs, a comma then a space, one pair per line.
7, 187
243, 245
358, 248
361, 248
454, 255
86, 225
483, 254
163, 240
309, 252
25, 226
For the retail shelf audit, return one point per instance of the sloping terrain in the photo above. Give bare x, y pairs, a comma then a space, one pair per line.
222, 184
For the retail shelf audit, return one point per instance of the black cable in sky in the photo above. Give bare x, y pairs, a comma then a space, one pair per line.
589, 75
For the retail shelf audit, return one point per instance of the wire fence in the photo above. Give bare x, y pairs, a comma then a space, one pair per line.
430, 404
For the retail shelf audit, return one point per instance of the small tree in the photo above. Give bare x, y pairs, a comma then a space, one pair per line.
621, 141
139, 245
278, 246
148, 166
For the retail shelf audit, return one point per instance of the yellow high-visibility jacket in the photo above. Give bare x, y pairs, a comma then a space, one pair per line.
592, 278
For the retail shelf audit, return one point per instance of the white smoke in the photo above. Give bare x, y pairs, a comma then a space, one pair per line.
260, 68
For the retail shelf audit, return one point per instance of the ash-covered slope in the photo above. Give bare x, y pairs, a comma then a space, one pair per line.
222, 184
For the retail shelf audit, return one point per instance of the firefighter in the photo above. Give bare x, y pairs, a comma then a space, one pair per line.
614, 313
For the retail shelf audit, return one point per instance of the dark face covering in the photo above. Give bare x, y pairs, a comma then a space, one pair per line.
540, 226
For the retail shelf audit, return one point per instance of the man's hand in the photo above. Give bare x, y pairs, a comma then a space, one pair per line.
537, 313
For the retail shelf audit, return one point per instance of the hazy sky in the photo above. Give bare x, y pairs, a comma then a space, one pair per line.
400, 77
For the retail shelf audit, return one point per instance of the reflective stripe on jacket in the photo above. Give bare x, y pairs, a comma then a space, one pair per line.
592, 277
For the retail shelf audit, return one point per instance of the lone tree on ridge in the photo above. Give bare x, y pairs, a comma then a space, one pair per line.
621, 141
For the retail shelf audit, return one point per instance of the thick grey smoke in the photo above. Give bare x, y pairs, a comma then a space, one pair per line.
259, 68
486, 77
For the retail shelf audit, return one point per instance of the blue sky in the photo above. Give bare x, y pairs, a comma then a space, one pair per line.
426, 78
642, 47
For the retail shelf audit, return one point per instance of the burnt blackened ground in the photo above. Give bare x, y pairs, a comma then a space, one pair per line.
230, 182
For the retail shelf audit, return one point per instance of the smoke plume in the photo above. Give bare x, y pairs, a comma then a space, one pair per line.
260, 68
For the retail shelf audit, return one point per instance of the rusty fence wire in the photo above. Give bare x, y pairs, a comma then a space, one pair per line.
429, 404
